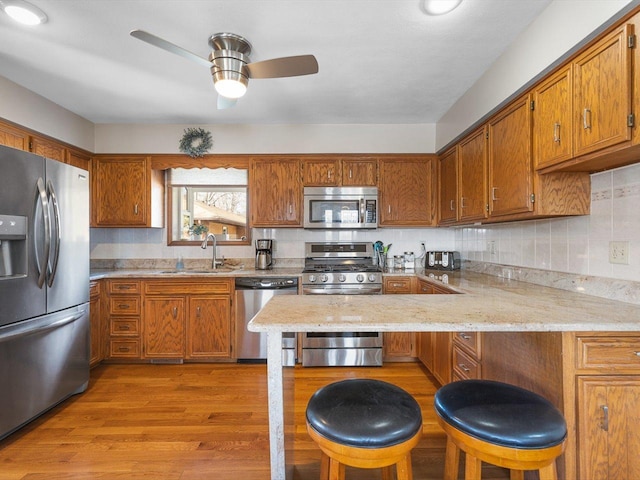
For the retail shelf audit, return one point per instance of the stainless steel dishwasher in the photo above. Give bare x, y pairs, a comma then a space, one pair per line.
252, 293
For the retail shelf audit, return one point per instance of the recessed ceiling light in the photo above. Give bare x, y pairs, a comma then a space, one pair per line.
440, 7
23, 12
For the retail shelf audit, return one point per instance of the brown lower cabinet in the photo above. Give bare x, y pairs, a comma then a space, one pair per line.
169, 320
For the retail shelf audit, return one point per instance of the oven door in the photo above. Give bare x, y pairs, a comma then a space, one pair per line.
342, 290
342, 340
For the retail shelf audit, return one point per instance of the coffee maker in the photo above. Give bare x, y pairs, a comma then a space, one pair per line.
264, 249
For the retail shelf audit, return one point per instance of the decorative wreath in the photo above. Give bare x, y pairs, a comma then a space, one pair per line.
195, 142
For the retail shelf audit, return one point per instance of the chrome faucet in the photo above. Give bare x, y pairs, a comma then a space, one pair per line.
214, 262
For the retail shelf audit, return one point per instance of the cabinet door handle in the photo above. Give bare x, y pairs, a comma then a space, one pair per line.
493, 193
605, 418
462, 205
350, 173
637, 354
198, 312
451, 207
586, 118
175, 312
329, 175
135, 209
389, 208
290, 208
556, 132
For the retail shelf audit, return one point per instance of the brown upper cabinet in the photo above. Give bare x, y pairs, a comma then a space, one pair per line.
13, 137
472, 177
48, 148
126, 192
510, 167
449, 187
331, 172
407, 191
275, 192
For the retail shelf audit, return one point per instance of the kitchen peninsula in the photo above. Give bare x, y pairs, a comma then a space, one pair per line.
486, 304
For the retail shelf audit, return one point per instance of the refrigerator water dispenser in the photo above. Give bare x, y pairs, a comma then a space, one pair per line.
13, 246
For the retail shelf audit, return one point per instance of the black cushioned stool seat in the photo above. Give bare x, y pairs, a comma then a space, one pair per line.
364, 423
493, 422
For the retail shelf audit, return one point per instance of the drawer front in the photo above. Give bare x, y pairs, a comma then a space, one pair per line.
608, 352
124, 326
424, 287
121, 348
122, 305
124, 286
185, 288
397, 285
469, 341
464, 365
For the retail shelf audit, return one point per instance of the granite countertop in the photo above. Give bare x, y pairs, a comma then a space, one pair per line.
485, 303
97, 274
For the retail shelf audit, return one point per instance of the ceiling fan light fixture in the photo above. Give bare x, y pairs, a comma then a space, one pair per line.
440, 7
23, 12
231, 87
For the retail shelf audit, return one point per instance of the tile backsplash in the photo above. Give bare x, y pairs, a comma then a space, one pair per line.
577, 245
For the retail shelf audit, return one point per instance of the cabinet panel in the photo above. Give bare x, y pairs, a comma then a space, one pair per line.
397, 284
612, 353
121, 348
510, 167
399, 345
124, 305
209, 327
96, 324
465, 366
360, 173
321, 172
164, 327
124, 326
602, 84
608, 435
48, 148
124, 286
553, 120
469, 341
448, 203
472, 174
276, 192
442, 356
13, 137
406, 194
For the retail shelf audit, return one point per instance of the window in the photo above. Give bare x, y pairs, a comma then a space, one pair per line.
205, 200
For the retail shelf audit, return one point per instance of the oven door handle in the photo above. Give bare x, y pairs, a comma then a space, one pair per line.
362, 211
341, 291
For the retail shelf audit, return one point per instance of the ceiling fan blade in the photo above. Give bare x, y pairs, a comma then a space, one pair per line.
169, 47
225, 102
284, 67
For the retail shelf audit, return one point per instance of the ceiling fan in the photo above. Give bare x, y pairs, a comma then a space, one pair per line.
230, 65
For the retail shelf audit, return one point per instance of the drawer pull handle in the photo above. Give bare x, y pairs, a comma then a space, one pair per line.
465, 336
123, 349
124, 327
124, 287
637, 354
124, 306
605, 418
464, 368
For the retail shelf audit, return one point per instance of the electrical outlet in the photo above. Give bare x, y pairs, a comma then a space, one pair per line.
619, 252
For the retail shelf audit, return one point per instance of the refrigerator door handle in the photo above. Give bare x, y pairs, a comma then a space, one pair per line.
44, 204
56, 216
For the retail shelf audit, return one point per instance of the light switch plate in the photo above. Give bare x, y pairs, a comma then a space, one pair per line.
619, 252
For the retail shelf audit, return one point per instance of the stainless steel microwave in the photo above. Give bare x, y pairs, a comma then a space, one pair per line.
340, 207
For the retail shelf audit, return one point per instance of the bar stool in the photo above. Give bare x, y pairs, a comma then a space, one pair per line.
499, 424
366, 424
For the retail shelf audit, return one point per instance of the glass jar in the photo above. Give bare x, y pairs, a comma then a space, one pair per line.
409, 260
398, 261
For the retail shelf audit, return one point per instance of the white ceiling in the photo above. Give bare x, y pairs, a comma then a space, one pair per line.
381, 61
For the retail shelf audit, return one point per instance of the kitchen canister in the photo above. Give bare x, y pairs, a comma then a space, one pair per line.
409, 261
398, 261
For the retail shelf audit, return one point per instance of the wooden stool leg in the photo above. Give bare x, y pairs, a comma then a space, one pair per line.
336, 470
387, 473
451, 461
472, 467
549, 472
324, 467
516, 475
404, 469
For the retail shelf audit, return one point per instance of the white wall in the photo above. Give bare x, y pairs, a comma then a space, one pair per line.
561, 26
271, 138
30, 110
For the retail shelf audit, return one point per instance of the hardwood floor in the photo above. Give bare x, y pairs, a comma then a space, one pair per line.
193, 422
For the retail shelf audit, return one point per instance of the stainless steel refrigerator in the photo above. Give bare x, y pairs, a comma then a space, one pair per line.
44, 285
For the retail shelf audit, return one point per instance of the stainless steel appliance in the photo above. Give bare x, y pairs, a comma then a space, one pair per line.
252, 293
44, 285
341, 207
341, 268
442, 260
264, 252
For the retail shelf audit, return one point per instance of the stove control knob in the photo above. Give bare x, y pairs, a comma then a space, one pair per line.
324, 277
372, 278
312, 278
342, 277
360, 278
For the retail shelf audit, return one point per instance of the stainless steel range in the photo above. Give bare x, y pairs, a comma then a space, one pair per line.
341, 268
